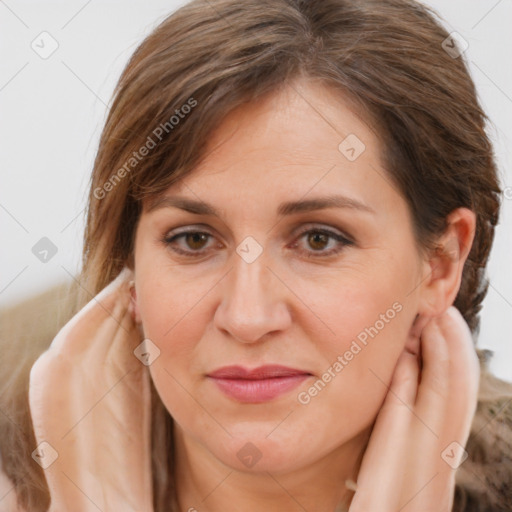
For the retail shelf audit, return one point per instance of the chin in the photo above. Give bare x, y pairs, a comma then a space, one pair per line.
257, 456
253, 450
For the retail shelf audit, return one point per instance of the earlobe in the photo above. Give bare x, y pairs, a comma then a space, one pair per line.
445, 264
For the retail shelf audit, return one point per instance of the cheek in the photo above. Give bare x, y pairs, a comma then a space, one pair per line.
169, 306
175, 309
348, 393
369, 321
359, 306
166, 292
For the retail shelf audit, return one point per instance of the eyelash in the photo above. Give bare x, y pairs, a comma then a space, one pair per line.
344, 241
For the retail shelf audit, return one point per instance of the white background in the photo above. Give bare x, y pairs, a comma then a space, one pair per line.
52, 111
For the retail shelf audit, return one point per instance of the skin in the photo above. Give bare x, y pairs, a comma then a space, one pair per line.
383, 420
212, 310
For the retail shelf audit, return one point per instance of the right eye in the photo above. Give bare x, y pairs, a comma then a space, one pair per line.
195, 240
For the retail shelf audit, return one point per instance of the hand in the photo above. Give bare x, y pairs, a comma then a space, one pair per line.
407, 465
90, 400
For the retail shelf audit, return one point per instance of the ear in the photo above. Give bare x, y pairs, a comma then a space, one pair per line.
443, 266
134, 308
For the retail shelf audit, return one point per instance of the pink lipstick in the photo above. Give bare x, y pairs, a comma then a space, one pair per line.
258, 385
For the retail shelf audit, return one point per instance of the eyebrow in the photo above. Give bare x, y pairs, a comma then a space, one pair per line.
287, 208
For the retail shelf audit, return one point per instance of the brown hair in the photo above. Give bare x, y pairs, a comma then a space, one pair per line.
386, 56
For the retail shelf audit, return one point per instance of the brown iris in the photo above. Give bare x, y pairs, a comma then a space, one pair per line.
194, 240
318, 238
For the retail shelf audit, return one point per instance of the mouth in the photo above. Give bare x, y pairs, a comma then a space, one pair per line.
258, 385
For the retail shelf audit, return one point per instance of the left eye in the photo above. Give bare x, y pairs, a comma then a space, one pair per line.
318, 240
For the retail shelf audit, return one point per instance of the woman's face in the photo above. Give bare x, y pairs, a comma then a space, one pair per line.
278, 277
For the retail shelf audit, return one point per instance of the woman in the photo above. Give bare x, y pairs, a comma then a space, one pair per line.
289, 216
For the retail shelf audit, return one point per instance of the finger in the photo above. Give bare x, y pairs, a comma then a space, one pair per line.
108, 307
115, 346
382, 468
413, 343
441, 405
465, 367
404, 385
93, 341
434, 386
464, 371
71, 403
418, 325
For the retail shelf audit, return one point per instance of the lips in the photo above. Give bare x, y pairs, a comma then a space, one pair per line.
262, 372
258, 385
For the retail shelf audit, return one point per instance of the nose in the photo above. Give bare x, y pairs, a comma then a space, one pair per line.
253, 303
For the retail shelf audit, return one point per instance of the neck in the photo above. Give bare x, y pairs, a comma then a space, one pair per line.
205, 484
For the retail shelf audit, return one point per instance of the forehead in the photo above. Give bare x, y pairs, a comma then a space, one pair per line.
305, 120
305, 138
